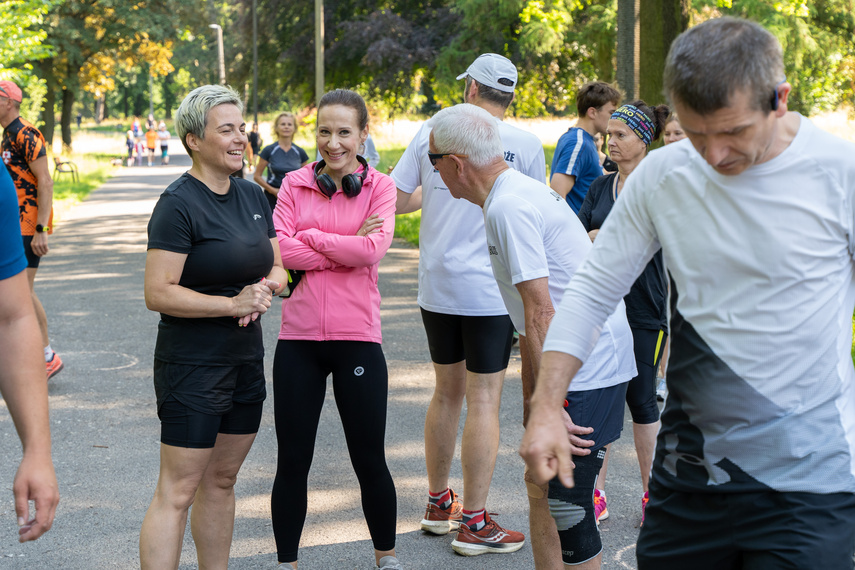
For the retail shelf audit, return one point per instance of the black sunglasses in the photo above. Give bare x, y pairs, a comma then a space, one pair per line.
434, 157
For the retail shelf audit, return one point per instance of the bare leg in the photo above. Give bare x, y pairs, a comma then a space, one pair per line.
162, 532
480, 443
213, 515
443, 416
40, 311
645, 443
545, 544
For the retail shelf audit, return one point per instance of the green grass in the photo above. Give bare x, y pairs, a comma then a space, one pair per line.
93, 169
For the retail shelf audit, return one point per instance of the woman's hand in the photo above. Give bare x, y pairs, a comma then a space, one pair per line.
271, 286
251, 302
371, 225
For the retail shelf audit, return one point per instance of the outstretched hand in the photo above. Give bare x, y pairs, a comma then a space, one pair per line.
546, 447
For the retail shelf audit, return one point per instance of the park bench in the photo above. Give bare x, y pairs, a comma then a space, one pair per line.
64, 166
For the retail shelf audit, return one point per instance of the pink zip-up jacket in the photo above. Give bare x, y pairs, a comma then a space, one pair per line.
338, 298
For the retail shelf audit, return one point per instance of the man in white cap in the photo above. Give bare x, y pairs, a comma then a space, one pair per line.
468, 329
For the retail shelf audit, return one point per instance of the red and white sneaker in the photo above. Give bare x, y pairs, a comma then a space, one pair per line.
442, 521
601, 509
54, 366
491, 538
644, 500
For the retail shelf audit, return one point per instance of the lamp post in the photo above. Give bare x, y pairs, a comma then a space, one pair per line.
220, 52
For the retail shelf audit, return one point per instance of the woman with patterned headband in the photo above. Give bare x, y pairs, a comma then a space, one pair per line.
631, 130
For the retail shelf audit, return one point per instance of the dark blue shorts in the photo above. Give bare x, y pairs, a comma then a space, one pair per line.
601, 409
484, 342
766, 530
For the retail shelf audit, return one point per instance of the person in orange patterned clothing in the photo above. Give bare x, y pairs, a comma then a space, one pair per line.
25, 155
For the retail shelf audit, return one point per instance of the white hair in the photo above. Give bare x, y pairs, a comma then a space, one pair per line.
470, 130
192, 114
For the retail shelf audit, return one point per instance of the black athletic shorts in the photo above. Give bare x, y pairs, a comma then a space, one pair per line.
601, 409
483, 342
32, 258
181, 426
573, 510
766, 530
210, 389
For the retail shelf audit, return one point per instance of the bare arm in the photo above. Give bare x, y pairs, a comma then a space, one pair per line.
163, 293
259, 179
407, 203
44, 183
24, 387
544, 447
562, 183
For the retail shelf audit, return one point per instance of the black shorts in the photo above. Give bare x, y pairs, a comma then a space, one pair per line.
573, 510
210, 389
32, 258
181, 426
483, 342
766, 530
648, 345
601, 409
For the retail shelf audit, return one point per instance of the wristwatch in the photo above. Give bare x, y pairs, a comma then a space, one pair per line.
42, 229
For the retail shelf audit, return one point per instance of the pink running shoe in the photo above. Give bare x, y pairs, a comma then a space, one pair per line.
601, 509
644, 500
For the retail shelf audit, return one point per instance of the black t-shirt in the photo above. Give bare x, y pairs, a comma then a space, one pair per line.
280, 163
645, 303
254, 141
227, 242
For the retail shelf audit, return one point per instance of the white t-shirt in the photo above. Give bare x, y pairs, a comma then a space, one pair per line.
454, 268
760, 377
533, 233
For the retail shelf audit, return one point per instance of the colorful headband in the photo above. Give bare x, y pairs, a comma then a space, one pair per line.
637, 121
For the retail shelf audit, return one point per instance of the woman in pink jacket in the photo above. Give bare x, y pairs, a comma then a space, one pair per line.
335, 220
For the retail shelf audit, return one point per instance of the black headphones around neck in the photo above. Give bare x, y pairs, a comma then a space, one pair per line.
351, 184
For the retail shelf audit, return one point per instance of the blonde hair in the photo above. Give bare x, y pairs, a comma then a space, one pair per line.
279, 117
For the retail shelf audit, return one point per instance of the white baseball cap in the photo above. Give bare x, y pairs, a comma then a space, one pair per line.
493, 70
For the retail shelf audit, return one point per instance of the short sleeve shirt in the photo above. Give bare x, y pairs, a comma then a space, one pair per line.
227, 242
12, 258
454, 268
22, 144
280, 163
576, 155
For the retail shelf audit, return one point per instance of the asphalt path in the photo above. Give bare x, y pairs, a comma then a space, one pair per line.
106, 432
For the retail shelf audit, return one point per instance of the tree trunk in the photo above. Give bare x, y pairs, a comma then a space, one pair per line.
628, 46
48, 117
168, 88
661, 21
100, 107
65, 119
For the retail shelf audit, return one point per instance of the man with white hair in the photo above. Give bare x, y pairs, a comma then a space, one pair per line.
755, 214
536, 244
468, 329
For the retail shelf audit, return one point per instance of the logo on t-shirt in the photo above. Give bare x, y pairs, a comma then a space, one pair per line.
493, 250
509, 156
7, 157
557, 196
256, 216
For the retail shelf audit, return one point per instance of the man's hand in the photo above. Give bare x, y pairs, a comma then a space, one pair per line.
35, 481
546, 447
578, 445
40, 243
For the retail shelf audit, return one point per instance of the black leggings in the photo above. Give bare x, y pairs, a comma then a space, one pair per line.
360, 383
641, 390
